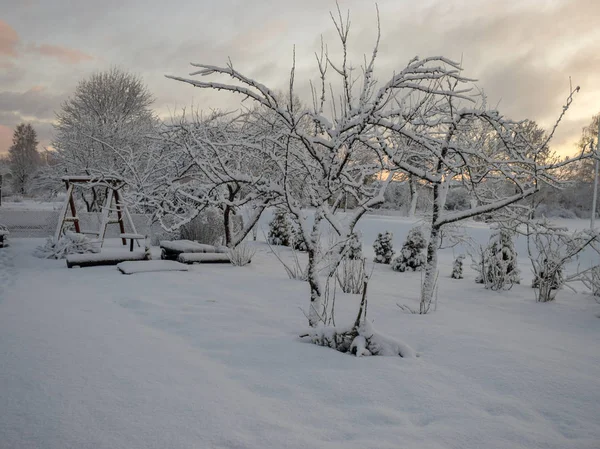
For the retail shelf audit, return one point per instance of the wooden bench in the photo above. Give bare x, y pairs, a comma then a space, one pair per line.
132, 238
190, 258
99, 259
171, 249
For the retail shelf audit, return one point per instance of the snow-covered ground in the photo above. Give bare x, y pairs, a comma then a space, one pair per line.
210, 358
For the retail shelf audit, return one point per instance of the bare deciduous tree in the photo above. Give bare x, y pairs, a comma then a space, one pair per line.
108, 112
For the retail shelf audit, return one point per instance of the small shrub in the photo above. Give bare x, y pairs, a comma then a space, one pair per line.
241, 255
457, 267
411, 256
383, 247
501, 270
69, 243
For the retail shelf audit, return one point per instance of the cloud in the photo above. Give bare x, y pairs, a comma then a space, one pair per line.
5, 138
36, 102
63, 54
35, 106
8, 40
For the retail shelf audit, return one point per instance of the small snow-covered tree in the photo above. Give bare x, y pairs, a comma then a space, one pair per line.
383, 248
412, 256
280, 229
550, 248
23, 158
354, 247
500, 262
297, 238
457, 267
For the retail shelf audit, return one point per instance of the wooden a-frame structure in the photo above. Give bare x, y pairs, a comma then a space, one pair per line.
113, 203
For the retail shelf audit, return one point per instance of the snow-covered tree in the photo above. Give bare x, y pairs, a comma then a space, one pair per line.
280, 229
384, 247
412, 256
354, 247
426, 120
320, 153
550, 249
220, 161
108, 114
457, 267
23, 158
500, 271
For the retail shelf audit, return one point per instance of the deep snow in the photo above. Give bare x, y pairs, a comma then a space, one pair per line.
210, 358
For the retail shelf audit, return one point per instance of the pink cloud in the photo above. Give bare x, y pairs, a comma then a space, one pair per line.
8, 40
5, 139
63, 54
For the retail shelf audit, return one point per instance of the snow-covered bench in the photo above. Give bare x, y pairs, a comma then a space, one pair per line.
171, 249
191, 258
132, 238
97, 259
150, 266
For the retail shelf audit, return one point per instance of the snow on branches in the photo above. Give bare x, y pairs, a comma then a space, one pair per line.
427, 121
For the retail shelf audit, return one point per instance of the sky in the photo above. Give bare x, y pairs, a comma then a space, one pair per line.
523, 53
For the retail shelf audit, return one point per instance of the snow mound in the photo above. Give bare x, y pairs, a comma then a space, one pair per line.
363, 340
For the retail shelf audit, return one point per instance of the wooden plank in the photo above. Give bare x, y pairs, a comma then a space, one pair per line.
73, 211
105, 212
99, 259
63, 212
120, 216
190, 258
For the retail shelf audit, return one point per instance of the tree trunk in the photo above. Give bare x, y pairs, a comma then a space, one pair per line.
315, 313
430, 280
414, 196
227, 221
430, 271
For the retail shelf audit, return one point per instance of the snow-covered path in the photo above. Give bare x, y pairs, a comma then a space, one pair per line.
90, 358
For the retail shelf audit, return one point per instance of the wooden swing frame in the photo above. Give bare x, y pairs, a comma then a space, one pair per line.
113, 186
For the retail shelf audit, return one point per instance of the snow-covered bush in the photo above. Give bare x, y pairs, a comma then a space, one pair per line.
69, 243
550, 272
280, 231
241, 255
206, 227
499, 262
383, 247
554, 248
412, 256
457, 267
359, 339
595, 281
354, 248
296, 238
